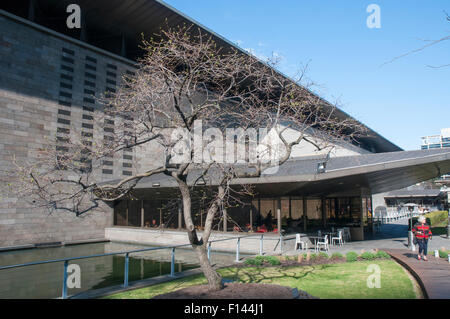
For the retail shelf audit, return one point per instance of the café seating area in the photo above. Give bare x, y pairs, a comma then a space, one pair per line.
323, 239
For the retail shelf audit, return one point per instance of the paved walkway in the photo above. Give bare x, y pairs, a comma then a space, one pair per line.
390, 236
433, 275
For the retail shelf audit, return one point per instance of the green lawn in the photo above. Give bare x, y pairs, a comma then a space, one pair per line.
334, 281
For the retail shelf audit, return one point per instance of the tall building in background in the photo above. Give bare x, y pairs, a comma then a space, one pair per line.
437, 141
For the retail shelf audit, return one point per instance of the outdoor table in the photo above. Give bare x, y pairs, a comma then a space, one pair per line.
314, 239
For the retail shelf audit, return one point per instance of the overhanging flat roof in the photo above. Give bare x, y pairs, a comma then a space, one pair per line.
380, 172
110, 20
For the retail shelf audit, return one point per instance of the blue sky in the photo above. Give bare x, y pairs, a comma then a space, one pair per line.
402, 100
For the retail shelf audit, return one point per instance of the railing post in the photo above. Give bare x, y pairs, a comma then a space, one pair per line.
209, 251
261, 251
172, 263
237, 249
125, 279
64, 287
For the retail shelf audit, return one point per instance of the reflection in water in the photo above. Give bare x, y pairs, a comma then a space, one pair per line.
45, 281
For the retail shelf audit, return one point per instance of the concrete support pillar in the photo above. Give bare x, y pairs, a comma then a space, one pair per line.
279, 214
251, 218
305, 213
362, 217
259, 211
225, 217
290, 207
324, 211
142, 213
180, 215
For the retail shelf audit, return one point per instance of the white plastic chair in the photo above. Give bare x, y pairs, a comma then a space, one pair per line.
338, 239
323, 244
342, 230
299, 242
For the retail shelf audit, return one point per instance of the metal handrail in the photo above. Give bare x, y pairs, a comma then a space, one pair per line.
127, 253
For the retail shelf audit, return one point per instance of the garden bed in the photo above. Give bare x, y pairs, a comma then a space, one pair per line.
237, 291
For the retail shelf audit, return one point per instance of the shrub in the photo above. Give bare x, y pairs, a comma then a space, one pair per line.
351, 256
249, 261
368, 255
382, 254
443, 254
313, 256
253, 262
272, 260
336, 256
259, 260
324, 255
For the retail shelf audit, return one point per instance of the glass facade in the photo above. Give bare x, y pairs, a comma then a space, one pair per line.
256, 215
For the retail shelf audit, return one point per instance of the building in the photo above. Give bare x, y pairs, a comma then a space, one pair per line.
431, 194
437, 141
49, 77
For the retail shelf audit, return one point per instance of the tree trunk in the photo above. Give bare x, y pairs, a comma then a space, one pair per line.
213, 277
199, 246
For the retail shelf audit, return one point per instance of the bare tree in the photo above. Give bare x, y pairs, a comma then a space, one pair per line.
186, 78
429, 44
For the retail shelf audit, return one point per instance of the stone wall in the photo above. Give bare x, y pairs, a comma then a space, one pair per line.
48, 85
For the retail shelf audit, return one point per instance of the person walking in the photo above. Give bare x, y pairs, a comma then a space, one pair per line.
422, 231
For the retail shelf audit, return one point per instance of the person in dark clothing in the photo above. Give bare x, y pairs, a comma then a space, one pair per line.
422, 232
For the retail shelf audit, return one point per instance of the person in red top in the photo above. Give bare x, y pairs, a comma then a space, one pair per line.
422, 232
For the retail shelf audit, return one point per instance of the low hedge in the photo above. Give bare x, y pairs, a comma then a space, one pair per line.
259, 260
368, 256
351, 256
443, 254
433, 218
437, 217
